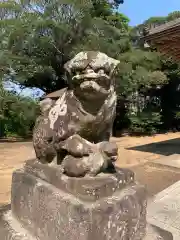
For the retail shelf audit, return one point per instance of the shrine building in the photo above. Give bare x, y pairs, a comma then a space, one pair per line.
165, 38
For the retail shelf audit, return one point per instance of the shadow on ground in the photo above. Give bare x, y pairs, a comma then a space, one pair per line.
165, 148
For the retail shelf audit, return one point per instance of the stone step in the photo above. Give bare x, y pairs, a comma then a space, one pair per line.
155, 177
164, 210
172, 161
10, 228
156, 233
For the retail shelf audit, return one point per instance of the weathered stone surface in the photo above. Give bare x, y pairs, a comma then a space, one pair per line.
86, 189
77, 208
71, 129
81, 196
10, 228
164, 210
156, 233
171, 161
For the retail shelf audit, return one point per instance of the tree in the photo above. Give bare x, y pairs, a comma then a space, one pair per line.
172, 16
153, 22
169, 94
164, 72
38, 37
38, 40
17, 114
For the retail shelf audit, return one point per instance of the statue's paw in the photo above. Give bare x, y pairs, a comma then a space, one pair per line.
109, 148
91, 165
77, 146
74, 167
114, 158
98, 162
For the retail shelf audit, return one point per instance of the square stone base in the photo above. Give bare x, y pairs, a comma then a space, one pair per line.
10, 228
50, 205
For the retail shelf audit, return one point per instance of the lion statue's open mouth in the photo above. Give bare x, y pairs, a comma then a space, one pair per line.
93, 82
93, 86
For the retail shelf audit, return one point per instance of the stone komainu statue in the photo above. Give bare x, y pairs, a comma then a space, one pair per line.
74, 131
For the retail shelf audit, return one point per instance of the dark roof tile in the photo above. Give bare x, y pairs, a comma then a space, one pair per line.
165, 26
55, 94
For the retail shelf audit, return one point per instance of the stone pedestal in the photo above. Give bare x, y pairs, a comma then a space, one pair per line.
52, 206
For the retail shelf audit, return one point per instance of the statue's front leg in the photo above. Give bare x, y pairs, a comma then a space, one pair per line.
109, 148
85, 158
76, 146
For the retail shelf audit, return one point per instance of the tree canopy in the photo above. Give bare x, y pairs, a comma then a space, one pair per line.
17, 114
38, 37
155, 21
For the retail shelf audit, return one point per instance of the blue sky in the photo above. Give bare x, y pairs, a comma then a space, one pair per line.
140, 10
30, 92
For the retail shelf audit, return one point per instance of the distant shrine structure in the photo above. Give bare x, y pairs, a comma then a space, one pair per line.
165, 38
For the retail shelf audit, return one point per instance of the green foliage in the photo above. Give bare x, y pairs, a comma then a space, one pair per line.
177, 115
17, 114
39, 36
146, 122
170, 100
139, 69
39, 41
174, 15
119, 20
154, 76
153, 22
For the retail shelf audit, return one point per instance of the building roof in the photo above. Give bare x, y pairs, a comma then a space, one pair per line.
165, 38
165, 26
55, 94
